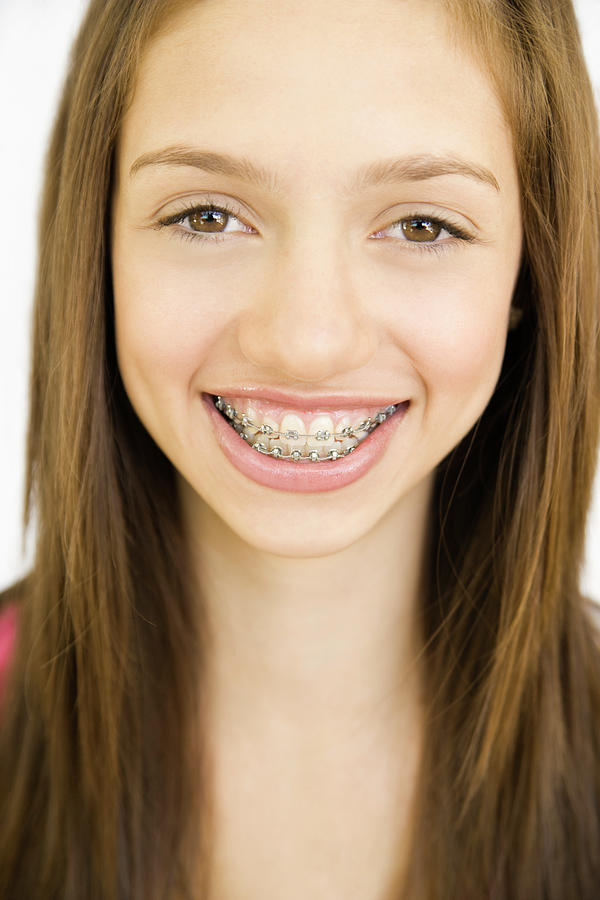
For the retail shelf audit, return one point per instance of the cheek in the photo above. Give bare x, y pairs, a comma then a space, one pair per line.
163, 335
166, 322
454, 332
461, 352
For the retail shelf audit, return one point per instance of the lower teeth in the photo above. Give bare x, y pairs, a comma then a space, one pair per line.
298, 455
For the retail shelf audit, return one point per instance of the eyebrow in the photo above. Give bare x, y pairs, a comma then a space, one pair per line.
386, 171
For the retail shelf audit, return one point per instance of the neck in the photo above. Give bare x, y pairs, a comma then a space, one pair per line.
318, 645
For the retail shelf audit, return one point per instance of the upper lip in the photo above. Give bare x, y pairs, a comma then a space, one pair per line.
306, 401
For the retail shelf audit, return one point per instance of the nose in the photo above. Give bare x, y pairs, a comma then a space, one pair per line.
308, 322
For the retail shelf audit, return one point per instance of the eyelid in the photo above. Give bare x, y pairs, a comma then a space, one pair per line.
188, 207
444, 220
457, 233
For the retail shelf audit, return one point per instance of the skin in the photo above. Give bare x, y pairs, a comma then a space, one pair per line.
314, 680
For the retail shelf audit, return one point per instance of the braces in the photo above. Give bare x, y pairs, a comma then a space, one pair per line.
240, 422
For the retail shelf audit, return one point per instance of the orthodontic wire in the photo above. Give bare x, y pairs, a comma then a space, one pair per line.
239, 422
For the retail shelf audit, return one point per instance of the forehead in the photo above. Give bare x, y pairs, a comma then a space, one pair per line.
313, 90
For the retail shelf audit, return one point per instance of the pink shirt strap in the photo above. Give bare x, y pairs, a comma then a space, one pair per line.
8, 636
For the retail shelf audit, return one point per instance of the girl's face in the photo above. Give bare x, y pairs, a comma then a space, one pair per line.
316, 216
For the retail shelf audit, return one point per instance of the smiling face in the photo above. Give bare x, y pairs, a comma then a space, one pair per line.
316, 215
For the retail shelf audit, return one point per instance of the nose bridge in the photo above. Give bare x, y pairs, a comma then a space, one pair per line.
307, 320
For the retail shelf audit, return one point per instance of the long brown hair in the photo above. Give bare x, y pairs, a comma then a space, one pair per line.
97, 794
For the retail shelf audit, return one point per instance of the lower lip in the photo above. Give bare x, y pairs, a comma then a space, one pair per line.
302, 477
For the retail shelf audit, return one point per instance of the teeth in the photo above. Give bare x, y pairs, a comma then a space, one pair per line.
292, 427
344, 422
244, 412
268, 427
345, 444
250, 415
321, 437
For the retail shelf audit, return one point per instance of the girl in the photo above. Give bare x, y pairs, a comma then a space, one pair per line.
314, 419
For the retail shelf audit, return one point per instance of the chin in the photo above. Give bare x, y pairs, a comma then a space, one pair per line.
289, 534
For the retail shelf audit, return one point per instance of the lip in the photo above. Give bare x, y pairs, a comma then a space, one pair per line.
306, 401
302, 477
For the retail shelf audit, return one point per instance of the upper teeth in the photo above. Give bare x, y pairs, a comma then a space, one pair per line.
293, 434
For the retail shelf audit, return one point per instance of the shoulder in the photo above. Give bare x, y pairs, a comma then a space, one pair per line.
9, 620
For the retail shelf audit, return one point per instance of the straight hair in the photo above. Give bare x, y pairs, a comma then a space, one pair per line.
101, 791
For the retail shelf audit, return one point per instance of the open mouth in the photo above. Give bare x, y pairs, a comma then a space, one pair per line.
285, 435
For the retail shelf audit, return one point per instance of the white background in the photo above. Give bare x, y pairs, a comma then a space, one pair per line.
34, 40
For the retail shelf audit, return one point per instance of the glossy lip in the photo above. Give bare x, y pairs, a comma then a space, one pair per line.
302, 477
332, 402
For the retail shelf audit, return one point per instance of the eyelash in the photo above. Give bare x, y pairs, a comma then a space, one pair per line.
178, 218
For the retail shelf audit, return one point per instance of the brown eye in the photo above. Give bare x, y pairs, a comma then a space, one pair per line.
420, 230
208, 220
